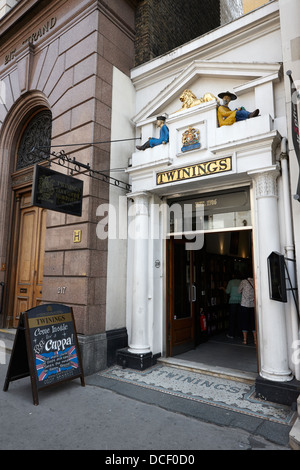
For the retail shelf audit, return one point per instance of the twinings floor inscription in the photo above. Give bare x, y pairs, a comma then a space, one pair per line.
215, 391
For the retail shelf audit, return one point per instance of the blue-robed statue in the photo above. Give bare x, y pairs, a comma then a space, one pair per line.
163, 137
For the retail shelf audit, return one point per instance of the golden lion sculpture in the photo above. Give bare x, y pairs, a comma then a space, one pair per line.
189, 100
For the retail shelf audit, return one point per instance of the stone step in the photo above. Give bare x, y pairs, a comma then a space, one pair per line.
233, 374
7, 338
294, 436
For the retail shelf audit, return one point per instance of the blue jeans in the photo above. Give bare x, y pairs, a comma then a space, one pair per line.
242, 115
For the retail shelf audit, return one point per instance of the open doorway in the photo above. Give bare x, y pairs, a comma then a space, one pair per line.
198, 308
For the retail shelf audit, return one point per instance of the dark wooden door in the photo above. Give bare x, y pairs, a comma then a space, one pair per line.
181, 298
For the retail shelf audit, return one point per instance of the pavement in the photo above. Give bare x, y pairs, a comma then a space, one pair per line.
124, 410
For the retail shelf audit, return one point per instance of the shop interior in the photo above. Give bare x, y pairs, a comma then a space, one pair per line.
210, 269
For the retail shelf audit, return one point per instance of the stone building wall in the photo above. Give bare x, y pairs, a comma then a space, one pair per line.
62, 58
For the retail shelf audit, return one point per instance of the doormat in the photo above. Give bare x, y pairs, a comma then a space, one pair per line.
210, 390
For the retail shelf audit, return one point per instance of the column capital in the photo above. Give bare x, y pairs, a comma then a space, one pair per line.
265, 181
139, 194
140, 202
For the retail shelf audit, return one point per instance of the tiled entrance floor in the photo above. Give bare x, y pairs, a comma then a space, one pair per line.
224, 352
217, 391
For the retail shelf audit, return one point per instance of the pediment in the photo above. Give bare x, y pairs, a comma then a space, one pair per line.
208, 77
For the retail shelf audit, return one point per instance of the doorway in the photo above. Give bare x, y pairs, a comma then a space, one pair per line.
28, 255
29, 145
198, 309
181, 299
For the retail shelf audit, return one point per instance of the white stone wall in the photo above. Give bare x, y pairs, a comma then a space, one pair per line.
230, 10
122, 111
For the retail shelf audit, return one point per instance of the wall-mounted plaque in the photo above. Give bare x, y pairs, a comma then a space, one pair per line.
190, 139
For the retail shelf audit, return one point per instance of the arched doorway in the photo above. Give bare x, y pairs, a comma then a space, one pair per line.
28, 229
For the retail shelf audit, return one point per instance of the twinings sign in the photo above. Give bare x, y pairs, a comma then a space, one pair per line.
195, 171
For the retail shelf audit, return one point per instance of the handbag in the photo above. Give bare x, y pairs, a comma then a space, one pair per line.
251, 299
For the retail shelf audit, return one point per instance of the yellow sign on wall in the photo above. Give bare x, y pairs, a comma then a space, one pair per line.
77, 236
195, 171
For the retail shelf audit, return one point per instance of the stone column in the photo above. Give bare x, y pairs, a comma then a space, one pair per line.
271, 314
138, 339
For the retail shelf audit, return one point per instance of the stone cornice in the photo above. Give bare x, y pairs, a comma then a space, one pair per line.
18, 13
115, 19
15, 14
61, 26
269, 139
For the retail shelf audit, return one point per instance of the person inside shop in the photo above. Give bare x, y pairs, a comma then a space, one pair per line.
234, 304
246, 289
227, 117
163, 137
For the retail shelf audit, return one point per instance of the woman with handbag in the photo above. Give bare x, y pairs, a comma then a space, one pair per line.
246, 288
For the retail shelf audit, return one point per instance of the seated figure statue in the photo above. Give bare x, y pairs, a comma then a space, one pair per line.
227, 117
163, 137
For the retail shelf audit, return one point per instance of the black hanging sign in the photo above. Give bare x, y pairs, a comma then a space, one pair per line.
45, 348
277, 283
295, 126
56, 191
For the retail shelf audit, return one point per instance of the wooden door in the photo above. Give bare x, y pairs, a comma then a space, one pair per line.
30, 257
181, 298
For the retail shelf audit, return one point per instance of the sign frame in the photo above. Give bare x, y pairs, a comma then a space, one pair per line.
277, 283
55, 186
196, 170
49, 321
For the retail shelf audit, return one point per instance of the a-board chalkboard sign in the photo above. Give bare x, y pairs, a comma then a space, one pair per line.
56, 191
46, 348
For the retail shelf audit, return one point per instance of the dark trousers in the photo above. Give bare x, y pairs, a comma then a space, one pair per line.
247, 319
234, 319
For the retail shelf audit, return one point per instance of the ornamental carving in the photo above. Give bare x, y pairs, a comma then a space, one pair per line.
266, 184
36, 140
190, 139
189, 99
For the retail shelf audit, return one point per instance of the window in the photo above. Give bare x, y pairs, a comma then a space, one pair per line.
36, 140
220, 211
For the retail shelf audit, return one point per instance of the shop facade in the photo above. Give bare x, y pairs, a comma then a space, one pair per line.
213, 199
